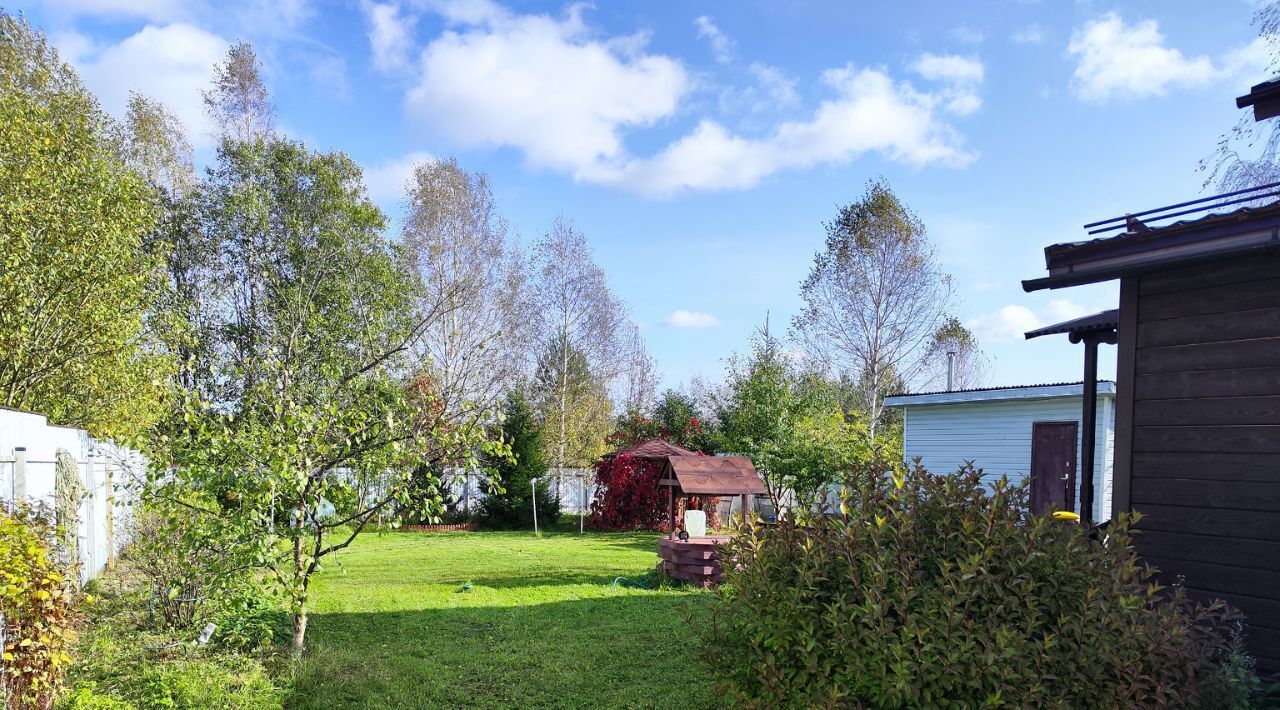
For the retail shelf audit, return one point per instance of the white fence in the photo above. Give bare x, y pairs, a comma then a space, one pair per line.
108, 473
577, 489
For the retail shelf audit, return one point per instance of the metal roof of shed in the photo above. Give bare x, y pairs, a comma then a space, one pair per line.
1106, 320
1143, 244
1106, 388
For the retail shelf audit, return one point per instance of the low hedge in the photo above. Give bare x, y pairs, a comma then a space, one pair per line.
937, 590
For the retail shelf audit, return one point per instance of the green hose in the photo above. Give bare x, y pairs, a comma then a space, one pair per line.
624, 582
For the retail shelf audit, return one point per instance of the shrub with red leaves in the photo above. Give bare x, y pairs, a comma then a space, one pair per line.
628, 496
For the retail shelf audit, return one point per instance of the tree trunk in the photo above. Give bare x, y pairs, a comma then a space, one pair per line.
299, 629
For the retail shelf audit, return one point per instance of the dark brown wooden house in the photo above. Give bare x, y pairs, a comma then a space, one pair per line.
1197, 446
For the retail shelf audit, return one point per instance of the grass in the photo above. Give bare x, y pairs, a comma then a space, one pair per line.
541, 626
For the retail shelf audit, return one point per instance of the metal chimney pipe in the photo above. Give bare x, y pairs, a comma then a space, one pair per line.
951, 370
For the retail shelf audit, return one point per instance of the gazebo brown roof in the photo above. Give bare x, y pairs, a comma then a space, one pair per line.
652, 449
712, 475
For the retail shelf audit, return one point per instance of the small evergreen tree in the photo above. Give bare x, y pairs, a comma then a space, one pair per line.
513, 508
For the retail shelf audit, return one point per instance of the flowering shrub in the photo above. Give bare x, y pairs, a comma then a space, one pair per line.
939, 591
38, 603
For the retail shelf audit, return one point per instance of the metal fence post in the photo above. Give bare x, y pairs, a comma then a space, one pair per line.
533, 485
110, 492
19, 473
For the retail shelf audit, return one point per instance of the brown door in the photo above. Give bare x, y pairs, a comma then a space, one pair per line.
1053, 466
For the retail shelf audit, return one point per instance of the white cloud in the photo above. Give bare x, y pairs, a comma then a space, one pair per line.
1118, 59
1005, 325
542, 85
1011, 322
386, 180
780, 88
169, 63
870, 112
389, 34
722, 45
948, 67
564, 96
690, 319
1060, 309
961, 77
155, 10
1031, 34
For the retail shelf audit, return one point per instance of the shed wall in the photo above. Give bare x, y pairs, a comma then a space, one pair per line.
1204, 467
996, 436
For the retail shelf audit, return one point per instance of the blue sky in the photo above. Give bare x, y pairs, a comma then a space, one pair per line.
701, 145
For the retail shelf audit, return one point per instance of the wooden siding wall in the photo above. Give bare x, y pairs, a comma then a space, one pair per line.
1205, 465
996, 436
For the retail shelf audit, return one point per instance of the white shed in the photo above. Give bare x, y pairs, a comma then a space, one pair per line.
1029, 431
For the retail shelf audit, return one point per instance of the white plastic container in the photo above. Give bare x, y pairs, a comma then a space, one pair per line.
695, 522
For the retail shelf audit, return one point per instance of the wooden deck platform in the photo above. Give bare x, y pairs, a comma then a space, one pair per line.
695, 560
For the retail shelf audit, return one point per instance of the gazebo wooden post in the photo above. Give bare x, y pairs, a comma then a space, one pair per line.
744, 509
671, 509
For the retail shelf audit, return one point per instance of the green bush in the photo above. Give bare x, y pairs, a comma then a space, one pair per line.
39, 611
512, 506
247, 616
933, 590
125, 662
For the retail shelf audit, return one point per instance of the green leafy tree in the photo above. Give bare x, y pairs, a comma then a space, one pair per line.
968, 363
312, 399
512, 506
790, 422
75, 278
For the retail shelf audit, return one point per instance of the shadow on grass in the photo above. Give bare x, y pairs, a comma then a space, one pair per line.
619, 651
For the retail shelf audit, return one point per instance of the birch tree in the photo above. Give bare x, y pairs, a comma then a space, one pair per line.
639, 384
1248, 155
156, 146
471, 280
575, 312
874, 298
239, 102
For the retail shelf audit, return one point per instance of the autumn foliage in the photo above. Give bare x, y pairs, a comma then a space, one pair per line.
38, 607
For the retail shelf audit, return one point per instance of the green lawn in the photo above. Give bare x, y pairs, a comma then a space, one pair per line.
541, 626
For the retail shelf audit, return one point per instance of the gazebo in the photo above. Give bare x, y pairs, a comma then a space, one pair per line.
695, 559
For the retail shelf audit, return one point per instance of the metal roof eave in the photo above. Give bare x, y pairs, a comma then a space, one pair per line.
1105, 389
1107, 273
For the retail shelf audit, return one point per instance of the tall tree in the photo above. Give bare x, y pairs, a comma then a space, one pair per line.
578, 316
875, 297
955, 347
639, 374
573, 407
239, 102
471, 278
156, 146
75, 278
513, 506
313, 398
